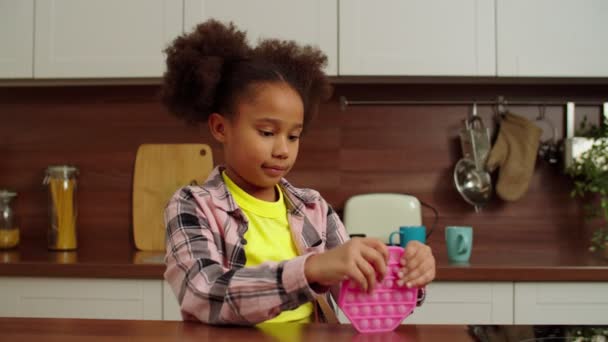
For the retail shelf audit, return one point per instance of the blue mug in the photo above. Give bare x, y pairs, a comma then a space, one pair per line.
407, 234
459, 241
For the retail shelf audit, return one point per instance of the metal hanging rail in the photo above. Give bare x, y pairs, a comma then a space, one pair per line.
500, 102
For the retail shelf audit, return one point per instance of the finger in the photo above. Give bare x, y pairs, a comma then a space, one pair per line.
355, 274
376, 259
411, 249
418, 282
417, 254
379, 246
421, 266
414, 246
423, 280
421, 256
368, 273
424, 273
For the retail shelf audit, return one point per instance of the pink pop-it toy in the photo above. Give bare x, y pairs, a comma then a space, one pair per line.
385, 307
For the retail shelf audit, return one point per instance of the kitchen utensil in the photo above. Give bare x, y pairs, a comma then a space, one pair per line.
475, 139
472, 180
548, 149
379, 214
474, 186
161, 169
385, 307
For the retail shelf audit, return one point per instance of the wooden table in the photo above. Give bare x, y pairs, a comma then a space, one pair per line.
91, 330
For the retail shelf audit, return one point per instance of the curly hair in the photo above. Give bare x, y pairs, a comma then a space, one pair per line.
212, 68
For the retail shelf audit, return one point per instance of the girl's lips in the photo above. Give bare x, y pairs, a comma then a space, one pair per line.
273, 171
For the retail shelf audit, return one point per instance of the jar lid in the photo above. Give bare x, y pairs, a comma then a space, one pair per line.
61, 170
7, 193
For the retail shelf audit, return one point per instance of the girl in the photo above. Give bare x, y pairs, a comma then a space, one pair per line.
247, 246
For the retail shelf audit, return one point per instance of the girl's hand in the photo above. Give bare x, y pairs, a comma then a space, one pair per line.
361, 259
418, 265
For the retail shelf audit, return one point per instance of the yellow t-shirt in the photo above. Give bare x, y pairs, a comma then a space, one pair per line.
268, 239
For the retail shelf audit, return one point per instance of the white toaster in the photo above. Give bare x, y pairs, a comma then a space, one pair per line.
379, 214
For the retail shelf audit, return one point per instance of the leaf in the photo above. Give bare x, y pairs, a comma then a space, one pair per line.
590, 179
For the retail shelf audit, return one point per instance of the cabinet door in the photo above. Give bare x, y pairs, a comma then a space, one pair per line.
80, 298
561, 303
417, 37
312, 22
552, 38
171, 310
110, 38
463, 303
16, 38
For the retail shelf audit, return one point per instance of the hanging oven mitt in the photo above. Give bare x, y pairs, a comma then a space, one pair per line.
515, 153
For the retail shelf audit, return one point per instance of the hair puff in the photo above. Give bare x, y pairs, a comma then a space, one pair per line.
211, 68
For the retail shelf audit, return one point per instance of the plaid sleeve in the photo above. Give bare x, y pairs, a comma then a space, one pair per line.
206, 289
336, 235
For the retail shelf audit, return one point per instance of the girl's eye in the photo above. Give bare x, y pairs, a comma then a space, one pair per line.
294, 137
266, 133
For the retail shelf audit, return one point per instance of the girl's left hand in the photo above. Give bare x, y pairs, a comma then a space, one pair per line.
417, 265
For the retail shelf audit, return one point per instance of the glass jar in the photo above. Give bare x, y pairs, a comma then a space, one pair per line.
9, 231
61, 183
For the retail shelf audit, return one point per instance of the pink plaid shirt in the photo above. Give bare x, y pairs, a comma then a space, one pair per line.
205, 256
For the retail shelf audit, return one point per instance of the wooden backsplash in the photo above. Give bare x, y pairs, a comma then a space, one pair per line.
408, 149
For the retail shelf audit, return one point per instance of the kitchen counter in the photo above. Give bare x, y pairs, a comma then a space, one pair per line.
107, 259
488, 263
65, 330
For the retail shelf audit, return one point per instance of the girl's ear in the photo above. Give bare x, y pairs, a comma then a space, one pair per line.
217, 126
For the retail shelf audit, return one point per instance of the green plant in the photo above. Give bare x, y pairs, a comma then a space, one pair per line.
590, 175
586, 333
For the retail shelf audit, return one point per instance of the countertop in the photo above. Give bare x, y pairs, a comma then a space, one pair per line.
111, 259
65, 330
91, 330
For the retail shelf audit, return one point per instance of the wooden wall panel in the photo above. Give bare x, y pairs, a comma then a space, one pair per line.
409, 149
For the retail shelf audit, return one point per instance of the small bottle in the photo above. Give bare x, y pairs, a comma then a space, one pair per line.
61, 182
9, 231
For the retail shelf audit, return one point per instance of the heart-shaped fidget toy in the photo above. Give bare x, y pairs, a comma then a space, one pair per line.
383, 309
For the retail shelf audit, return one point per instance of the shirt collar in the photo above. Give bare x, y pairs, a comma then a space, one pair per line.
296, 198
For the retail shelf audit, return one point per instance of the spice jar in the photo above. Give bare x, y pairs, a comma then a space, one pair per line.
9, 231
61, 183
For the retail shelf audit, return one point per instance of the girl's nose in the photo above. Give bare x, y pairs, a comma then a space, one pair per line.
281, 149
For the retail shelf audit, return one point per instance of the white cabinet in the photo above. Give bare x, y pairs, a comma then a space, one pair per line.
80, 298
466, 303
16, 38
171, 310
446, 302
504, 38
561, 303
110, 38
417, 37
463, 303
552, 38
312, 22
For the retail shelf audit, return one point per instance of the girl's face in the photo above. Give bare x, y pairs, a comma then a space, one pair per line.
261, 139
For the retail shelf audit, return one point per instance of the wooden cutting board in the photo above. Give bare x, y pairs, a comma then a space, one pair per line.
161, 169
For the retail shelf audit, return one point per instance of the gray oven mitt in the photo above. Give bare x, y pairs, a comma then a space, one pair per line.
514, 152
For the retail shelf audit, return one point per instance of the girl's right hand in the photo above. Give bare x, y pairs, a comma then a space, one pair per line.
362, 260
